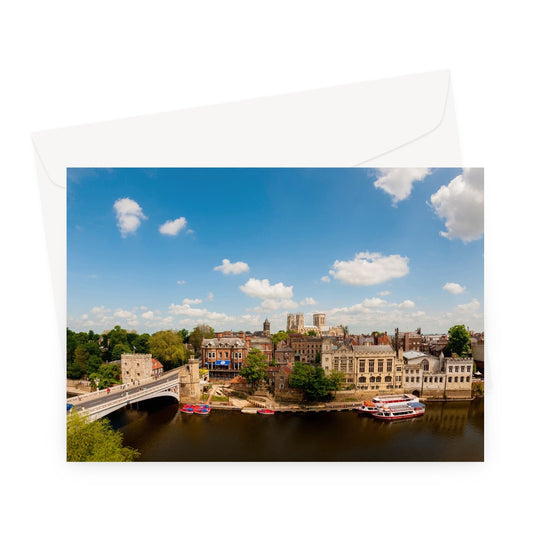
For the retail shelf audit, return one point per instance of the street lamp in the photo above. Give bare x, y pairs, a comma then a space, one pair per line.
96, 382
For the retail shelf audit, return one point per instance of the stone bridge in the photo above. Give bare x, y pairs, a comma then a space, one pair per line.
177, 383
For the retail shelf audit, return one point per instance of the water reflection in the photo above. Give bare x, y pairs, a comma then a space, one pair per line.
447, 432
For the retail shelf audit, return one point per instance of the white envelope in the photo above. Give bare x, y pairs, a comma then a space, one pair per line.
400, 122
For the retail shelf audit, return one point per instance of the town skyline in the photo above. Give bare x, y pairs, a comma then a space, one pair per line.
373, 249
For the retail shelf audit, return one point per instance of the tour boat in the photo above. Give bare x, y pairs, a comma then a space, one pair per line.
400, 412
265, 411
392, 399
187, 409
369, 407
201, 409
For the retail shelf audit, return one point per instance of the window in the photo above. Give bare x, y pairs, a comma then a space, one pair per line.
362, 365
462, 379
456, 379
389, 365
462, 368
380, 365
371, 365
467, 379
362, 379
425, 364
449, 379
425, 379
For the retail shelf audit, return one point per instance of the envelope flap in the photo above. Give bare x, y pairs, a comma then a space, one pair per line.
313, 128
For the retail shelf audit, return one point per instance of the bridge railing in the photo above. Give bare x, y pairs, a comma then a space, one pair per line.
124, 387
126, 398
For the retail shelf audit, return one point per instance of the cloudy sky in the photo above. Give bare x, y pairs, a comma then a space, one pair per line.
374, 249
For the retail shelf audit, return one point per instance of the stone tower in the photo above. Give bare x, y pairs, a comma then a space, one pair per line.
319, 320
266, 328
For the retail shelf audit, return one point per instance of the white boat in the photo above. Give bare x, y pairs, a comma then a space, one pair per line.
400, 411
370, 407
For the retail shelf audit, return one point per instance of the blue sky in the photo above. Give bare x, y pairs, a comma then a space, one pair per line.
374, 249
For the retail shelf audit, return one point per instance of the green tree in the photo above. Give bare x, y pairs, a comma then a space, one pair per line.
81, 356
184, 335
458, 340
313, 382
107, 375
255, 367
119, 349
279, 336
198, 334
95, 441
167, 347
311, 333
93, 363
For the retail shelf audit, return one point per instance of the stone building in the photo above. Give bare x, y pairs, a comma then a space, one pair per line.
266, 328
437, 376
366, 368
224, 356
284, 354
264, 344
135, 366
319, 321
306, 347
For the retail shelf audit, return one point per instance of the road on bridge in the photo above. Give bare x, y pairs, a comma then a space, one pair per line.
120, 391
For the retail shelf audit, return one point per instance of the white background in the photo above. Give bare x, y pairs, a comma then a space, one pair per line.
68, 63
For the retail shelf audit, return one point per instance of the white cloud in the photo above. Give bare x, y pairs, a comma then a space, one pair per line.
308, 301
398, 182
461, 204
149, 315
469, 307
181, 282
370, 269
256, 288
129, 215
100, 310
192, 301
374, 302
453, 288
121, 313
232, 268
325, 279
195, 312
407, 304
173, 227
274, 297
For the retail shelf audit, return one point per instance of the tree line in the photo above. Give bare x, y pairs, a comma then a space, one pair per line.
90, 354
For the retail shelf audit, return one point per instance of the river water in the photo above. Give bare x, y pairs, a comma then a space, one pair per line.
449, 431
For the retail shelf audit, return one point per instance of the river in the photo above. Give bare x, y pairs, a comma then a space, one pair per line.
449, 431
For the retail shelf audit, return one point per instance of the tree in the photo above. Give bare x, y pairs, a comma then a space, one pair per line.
167, 347
458, 340
311, 333
107, 375
312, 381
93, 363
184, 335
279, 336
255, 369
119, 349
95, 441
198, 334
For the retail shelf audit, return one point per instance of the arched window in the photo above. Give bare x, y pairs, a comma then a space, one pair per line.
388, 379
425, 365
362, 379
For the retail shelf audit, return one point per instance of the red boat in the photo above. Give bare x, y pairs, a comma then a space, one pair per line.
265, 411
201, 409
187, 409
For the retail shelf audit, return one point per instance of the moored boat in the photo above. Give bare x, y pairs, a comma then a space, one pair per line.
187, 409
400, 411
367, 408
265, 411
393, 399
202, 409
